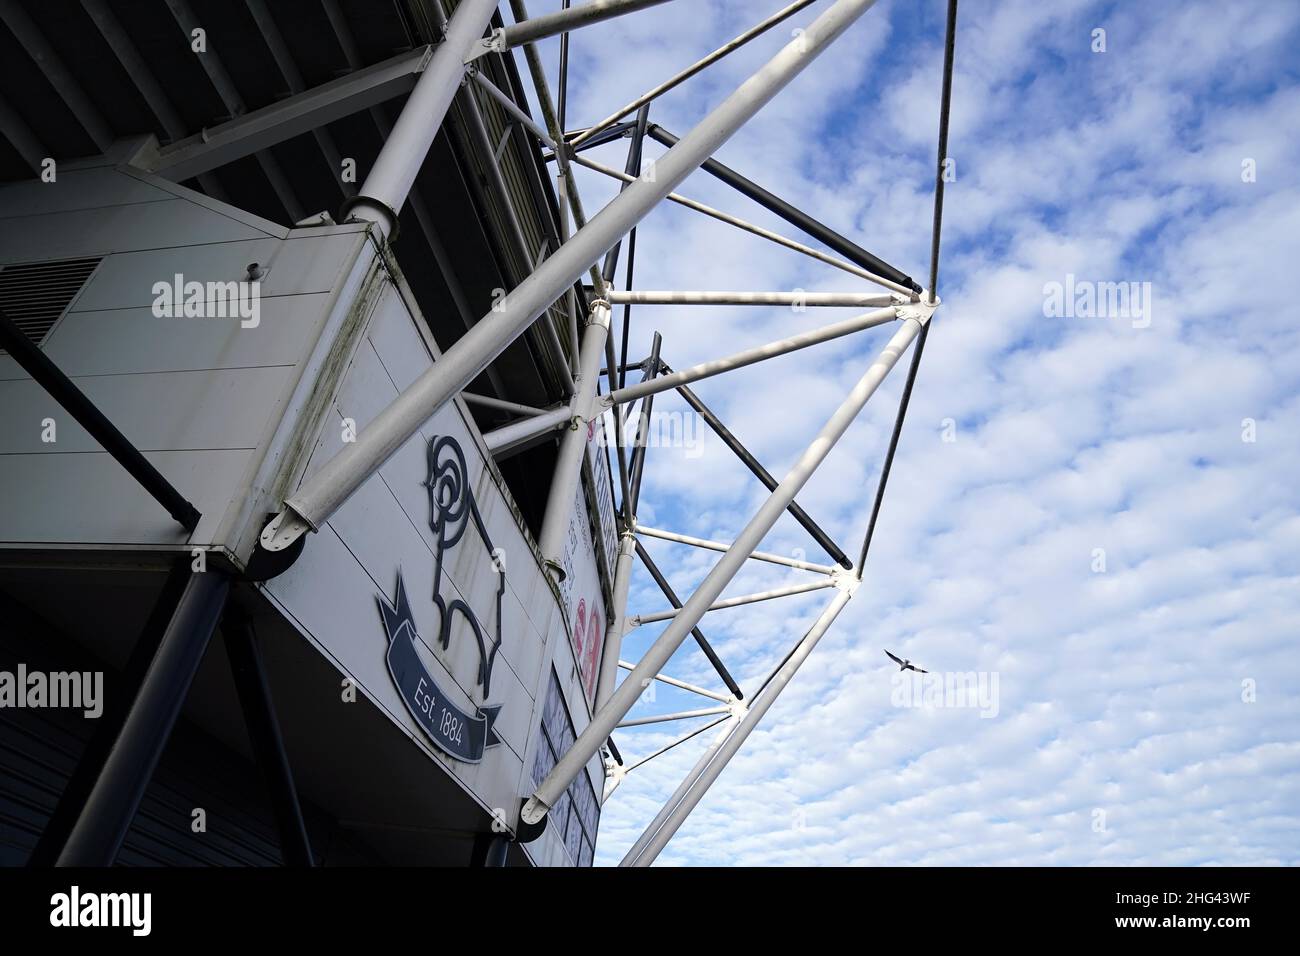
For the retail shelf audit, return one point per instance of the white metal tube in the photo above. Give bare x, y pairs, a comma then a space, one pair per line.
617, 619
500, 404
384, 192
549, 24
694, 689
573, 447
322, 494
749, 356
694, 793
694, 68
639, 619
667, 747
749, 227
511, 107
858, 300
722, 546
680, 715
515, 432
680, 792
621, 701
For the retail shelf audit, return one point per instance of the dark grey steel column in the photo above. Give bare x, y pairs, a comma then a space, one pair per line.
119, 695
676, 602
490, 849
264, 734
87, 414
761, 473
115, 797
642, 433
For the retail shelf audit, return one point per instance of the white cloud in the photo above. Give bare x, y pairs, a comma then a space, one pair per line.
1122, 691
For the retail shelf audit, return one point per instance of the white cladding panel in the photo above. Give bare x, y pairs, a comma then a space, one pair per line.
385, 530
235, 416
202, 398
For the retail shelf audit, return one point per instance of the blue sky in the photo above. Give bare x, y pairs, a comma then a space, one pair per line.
1120, 690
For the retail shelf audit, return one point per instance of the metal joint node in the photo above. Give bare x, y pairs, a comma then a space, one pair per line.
493, 43
920, 311
598, 313
845, 580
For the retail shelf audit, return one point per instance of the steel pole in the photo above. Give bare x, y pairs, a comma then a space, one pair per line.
322, 494
102, 826
824, 541
680, 792
384, 192
700, 639
500, 439
694, 793
617, 619
638, 620
571, 18
604, 720
859, 300
674, 682
803, 340
568, 464
644, 420
680, 715
32, 360
254, 690
796, 217
722, 546
683, 75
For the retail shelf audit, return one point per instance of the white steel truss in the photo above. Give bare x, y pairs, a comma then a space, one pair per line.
591, 247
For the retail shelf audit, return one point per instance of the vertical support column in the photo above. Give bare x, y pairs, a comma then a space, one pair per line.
99, 831
386, 187
618, 618
568, 465
654, 840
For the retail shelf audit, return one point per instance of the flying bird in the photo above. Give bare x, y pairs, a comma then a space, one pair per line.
905, 665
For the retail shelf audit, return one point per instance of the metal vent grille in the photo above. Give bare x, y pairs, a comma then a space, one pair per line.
36, 294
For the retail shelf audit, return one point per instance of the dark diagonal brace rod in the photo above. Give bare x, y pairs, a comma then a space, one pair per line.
121, 693
617, 131
51, 378
801, 220
264, 734
761, 473
945, 102
705, 646
109, 809
631, 168
642, 433
620, 455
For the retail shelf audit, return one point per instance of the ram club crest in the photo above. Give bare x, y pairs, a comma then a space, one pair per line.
452, 507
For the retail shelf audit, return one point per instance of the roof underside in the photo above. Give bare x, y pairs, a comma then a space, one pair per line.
76, 76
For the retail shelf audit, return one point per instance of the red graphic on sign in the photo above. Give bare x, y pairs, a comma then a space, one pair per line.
588, 635
589, 660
